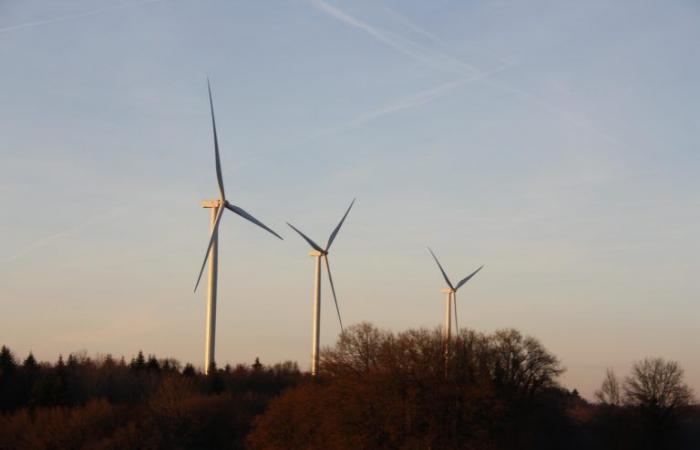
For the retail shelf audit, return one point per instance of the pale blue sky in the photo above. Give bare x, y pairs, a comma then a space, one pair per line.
554, 141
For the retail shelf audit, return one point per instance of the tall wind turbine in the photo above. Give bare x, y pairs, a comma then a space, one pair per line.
321, 253
217, 210
451, 298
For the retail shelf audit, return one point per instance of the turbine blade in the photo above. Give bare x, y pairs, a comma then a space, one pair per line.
467, 278
219, 177
214, 232
335, 299
314, 245
241, 212
335, 232
449, 283
454, 300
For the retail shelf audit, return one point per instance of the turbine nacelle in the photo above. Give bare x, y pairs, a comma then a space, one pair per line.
211, 203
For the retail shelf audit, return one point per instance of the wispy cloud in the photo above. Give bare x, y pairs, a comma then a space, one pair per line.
58, 19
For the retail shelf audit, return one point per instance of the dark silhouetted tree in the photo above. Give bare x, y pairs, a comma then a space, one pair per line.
657, 389
30, 363
8, 365
138, 363
153, 365
189, 371
657, 385
521, 365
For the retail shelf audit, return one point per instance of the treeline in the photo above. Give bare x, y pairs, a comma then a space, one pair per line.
378, 390
147, 403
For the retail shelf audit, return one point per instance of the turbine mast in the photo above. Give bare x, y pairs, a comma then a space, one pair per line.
320, 253
447, 330
210, 338
315, 356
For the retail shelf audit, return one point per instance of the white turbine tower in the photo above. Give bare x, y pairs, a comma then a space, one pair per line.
451, 298
217, 210
321, 253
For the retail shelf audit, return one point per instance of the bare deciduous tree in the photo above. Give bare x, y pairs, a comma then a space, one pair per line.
357, 349
522, 364
610, 392
657, 385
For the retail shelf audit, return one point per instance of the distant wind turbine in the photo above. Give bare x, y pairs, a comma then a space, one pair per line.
217, 210
321, 253
451, 292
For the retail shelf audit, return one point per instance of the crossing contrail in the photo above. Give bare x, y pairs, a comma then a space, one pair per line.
450, 64
92, 12
436, 40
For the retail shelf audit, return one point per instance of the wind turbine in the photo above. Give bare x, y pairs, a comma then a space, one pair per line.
451, 298
321, 253
217, 210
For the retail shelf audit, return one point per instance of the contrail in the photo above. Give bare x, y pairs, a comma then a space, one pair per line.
401, 18
75, 16
43, 242
412, 101
564, 113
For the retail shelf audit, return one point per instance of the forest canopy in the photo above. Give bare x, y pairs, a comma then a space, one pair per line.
377, 389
